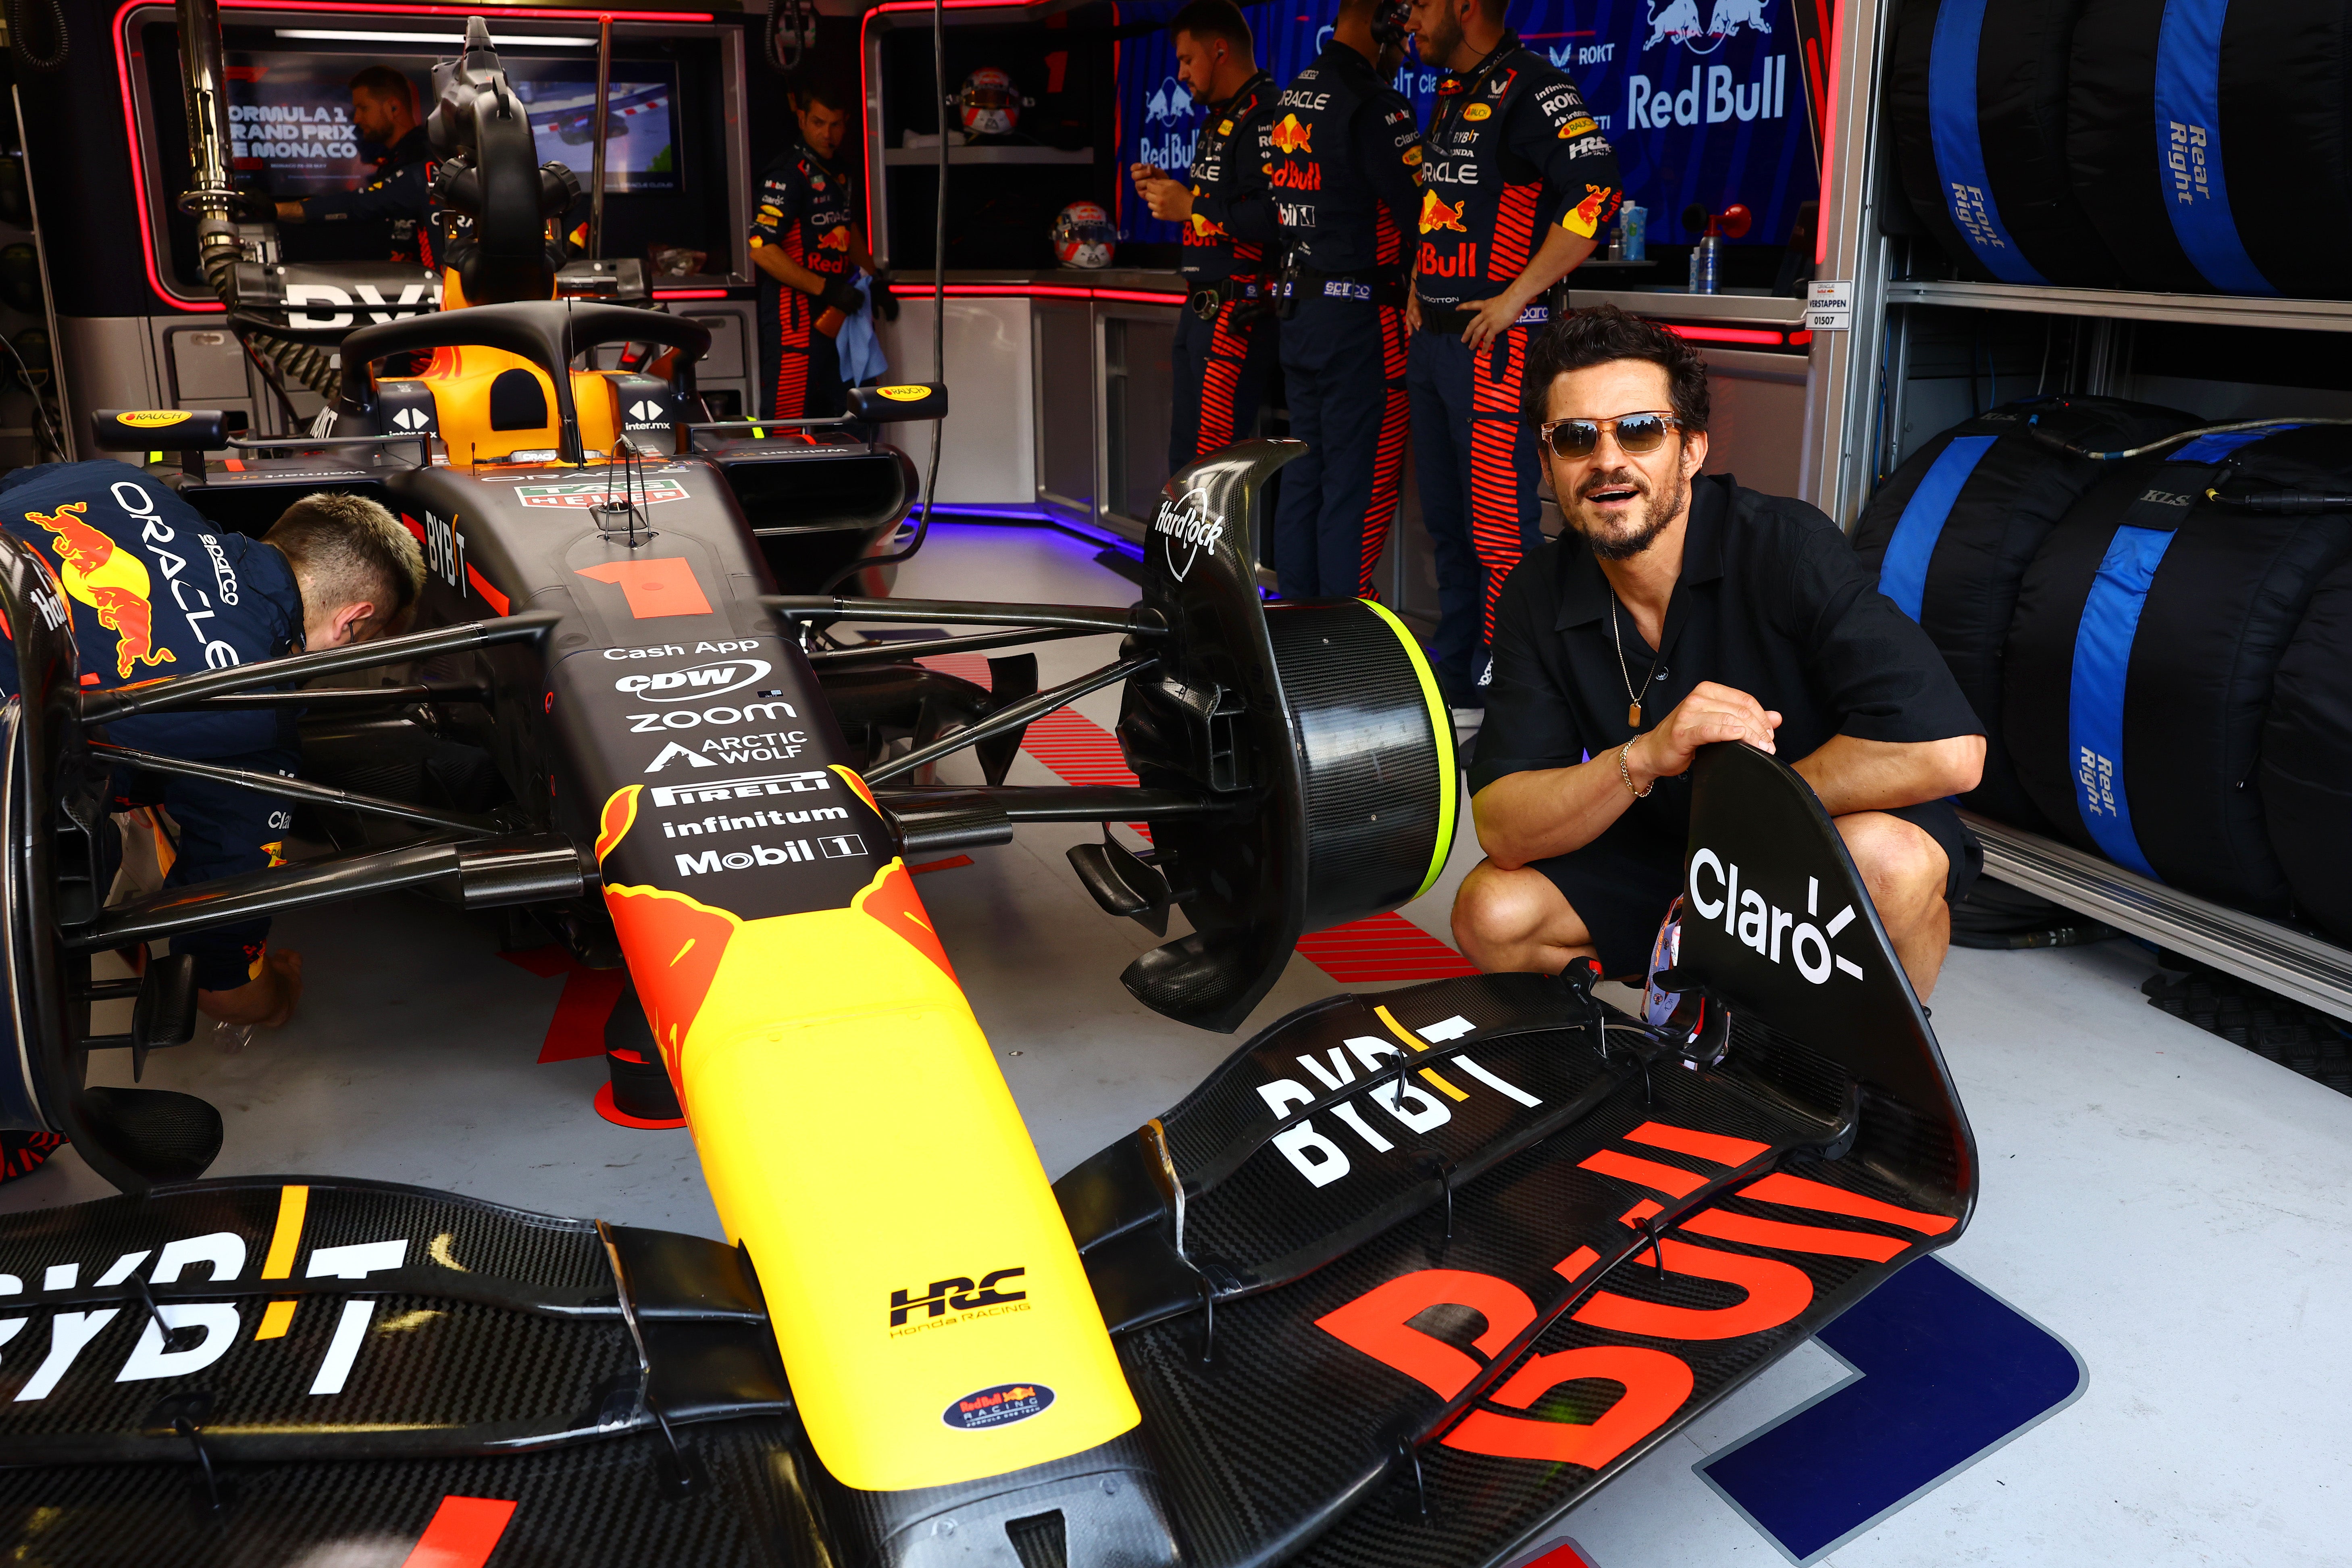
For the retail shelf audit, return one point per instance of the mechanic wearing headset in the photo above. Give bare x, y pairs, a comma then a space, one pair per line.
805, 241
383, 111
157, 591
1225, 351
1676, 610
1346, 155
1516, 185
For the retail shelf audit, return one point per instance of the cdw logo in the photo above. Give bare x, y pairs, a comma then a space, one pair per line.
955, 1296
1654, 1383
701, 681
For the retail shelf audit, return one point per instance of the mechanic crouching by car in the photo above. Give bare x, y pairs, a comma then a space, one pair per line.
1675, 611
157, 591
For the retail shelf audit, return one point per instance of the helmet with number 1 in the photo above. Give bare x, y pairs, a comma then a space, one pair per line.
1083, 236
990, 107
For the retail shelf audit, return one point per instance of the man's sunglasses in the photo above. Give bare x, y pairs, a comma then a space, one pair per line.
1637, 433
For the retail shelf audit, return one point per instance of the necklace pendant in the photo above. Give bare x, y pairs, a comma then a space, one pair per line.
1633, 715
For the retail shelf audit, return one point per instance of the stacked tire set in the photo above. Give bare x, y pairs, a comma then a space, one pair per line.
2159, 646
2173, 145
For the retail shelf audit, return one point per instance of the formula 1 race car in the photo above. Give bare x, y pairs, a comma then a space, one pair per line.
1400, 1282
1404, 1280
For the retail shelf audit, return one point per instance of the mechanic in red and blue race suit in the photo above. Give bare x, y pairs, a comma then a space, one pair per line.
1225, 353
400, 193
156, 590
1516, 184
805, 242
1346, 154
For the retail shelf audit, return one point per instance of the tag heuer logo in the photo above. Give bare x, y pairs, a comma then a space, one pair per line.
591, 492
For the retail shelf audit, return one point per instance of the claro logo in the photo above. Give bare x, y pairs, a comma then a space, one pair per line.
1716, 894
702, 680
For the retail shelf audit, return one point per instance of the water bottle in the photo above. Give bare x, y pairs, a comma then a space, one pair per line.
1704, 258
1636, 222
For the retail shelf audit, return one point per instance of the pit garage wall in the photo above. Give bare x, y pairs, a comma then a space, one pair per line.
1059, 406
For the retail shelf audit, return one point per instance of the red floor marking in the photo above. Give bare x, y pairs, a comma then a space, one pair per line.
462, 1531
547, 962
577, 1030
1384, 948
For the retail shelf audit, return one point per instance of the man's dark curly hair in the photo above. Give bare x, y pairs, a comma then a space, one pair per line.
1602, 333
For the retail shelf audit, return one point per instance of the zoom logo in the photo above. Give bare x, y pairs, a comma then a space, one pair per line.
958, 1296
702, 680
688, 719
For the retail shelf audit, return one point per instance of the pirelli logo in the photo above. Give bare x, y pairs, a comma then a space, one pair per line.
700, 793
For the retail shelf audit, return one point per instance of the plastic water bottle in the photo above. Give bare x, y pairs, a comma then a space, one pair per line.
1635, 222
1704, 258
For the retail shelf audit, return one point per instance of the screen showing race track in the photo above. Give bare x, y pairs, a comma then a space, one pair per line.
291, 132
640, 119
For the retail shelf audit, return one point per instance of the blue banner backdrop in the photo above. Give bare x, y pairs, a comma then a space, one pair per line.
1703, 99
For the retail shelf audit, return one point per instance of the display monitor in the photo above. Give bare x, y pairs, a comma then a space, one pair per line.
291, 133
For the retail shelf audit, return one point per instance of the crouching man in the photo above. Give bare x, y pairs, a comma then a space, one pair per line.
1675, 611
157, 591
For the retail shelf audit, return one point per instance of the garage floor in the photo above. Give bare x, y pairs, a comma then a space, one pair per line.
2171, 1207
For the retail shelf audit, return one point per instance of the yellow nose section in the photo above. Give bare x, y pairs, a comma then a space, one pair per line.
858, 1139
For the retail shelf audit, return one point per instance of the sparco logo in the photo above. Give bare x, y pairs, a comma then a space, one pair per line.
1186, 521
1765, 927
947, 1296
702, 680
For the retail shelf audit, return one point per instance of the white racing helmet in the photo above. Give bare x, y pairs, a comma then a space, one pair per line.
1083, 236
990, 103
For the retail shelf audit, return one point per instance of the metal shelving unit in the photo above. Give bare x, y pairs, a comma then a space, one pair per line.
1856, 389
2123, 305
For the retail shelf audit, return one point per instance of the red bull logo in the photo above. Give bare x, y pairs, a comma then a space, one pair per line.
1290, 136
834, 238
111, 581
1201, 231
1589, 214
1436, 214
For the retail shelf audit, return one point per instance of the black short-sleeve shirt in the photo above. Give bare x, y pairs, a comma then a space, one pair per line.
1771, 601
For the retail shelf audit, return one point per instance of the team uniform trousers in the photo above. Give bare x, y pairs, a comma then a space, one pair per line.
1478, 479
807, 381
1343, 375
1223, 373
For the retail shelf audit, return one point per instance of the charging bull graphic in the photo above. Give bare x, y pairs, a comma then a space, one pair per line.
834, 240
1678, 23
1290, 136
1436, 214
112, 580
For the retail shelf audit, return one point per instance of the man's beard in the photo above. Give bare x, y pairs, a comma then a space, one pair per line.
1440, 39
1651, 517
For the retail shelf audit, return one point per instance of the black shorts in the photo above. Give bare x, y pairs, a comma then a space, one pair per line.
1622, 884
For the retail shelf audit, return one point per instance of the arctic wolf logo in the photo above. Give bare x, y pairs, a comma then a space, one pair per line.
1678, 23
